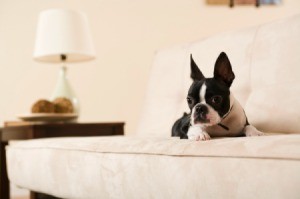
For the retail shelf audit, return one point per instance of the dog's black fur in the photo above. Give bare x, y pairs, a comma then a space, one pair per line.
214, 111
181, 126
221, 82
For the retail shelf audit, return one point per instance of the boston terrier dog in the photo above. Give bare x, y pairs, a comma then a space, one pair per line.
214, 110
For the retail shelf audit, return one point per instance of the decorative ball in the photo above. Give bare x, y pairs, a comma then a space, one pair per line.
43, 106
63, 105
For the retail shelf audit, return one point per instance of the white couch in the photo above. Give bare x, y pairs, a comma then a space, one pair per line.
151, 164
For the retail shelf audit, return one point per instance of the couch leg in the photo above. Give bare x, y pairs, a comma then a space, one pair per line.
36, 195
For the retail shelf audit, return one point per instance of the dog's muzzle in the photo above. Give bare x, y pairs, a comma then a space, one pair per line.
200, 113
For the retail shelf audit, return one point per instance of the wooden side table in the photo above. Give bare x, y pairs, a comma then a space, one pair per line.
25, 130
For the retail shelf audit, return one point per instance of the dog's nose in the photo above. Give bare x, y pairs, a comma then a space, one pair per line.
201, 109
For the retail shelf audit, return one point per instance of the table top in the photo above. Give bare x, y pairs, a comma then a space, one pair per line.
23, 123
31, 130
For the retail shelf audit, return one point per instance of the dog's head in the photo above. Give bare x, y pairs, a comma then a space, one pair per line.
209, 98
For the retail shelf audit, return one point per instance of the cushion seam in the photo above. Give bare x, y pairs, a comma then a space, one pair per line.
158, 154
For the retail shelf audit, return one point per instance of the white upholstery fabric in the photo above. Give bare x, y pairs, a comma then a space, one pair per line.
274, 102
136, 167
262, 57
165, 93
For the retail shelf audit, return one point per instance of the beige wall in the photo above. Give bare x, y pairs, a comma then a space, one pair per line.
126, 35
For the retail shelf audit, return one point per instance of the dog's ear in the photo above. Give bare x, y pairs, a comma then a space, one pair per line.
223, 71
196, 74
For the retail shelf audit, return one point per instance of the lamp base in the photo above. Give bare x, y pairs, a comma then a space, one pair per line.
64, 89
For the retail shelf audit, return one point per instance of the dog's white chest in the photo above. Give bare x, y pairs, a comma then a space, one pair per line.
232, 125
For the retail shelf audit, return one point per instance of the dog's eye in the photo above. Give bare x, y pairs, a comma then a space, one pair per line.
217, 99
189, 100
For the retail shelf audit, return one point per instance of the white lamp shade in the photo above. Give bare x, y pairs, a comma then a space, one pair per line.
63, 32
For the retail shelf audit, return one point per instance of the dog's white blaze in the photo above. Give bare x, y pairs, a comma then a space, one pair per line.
213, 115
202, 93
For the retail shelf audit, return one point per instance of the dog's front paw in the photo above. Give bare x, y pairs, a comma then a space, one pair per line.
197, 134
202, 136
250, 130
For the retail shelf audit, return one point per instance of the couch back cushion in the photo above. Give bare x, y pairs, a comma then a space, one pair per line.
274, 103
256, 55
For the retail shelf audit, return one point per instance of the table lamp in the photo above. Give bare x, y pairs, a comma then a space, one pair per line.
63, 36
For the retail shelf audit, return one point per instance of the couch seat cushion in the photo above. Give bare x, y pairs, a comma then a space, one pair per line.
140, 167
252, 147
